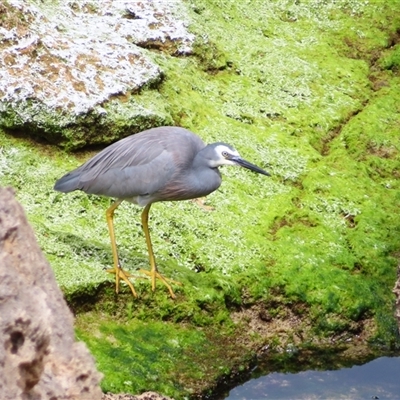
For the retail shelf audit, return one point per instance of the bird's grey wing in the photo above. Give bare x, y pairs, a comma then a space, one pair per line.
136, 165
132, 180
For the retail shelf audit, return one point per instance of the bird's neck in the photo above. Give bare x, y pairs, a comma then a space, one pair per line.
204, 177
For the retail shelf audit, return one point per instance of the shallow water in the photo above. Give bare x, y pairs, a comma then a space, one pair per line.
377, 379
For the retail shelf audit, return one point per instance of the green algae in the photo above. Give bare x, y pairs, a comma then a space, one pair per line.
138, 356
310, 93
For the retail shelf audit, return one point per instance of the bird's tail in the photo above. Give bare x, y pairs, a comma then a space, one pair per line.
68, 183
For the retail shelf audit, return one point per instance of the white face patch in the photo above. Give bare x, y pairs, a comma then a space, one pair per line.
220, 150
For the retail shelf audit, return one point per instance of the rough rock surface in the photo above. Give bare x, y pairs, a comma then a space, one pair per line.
143, 396
396, 291
39, 358
78, 58
70, 58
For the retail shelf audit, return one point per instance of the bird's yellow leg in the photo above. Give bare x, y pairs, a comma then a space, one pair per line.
117, 270
153, 273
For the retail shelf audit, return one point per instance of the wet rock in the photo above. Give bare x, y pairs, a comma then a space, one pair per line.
39, 358
396, 291
61, 64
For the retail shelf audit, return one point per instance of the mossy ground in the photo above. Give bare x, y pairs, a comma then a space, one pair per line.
311, 93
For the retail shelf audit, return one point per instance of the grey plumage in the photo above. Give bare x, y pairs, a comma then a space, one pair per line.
159, 164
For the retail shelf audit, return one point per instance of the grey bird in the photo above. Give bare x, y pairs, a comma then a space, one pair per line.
160, 164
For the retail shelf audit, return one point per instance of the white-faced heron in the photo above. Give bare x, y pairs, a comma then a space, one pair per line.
160, 164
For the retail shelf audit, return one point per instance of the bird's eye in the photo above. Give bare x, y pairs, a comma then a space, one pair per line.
225, 154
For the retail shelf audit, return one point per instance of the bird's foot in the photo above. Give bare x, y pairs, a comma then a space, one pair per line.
154, 274
201, 202
121, 274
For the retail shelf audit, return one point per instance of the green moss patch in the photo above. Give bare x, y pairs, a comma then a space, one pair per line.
138, 356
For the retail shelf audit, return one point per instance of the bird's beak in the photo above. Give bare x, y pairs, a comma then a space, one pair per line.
246, 164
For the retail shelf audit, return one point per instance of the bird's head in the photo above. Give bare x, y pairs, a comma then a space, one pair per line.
225, 154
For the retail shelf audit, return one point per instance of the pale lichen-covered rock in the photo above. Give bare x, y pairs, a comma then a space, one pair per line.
39, 358
143, 396
60, 63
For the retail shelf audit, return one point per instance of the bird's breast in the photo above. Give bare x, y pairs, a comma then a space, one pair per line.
196, 183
